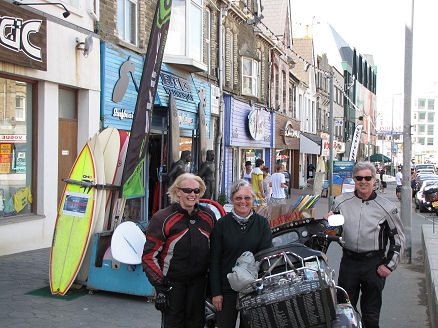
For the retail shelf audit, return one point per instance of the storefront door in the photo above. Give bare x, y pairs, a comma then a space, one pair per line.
68, 136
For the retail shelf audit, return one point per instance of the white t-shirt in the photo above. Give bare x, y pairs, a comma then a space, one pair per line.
277, 190
399, 178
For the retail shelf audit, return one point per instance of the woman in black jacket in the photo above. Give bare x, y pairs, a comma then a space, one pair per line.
240, 230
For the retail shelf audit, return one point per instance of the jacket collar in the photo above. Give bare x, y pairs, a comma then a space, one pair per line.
372, 196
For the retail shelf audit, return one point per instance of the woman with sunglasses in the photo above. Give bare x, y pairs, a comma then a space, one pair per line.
371, 223
238, 231
176, 254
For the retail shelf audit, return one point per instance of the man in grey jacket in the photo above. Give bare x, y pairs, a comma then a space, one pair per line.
371, 221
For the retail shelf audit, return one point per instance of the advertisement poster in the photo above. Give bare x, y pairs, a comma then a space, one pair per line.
5, 158
75, 204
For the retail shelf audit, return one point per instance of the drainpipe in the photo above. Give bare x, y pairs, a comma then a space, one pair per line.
219, 139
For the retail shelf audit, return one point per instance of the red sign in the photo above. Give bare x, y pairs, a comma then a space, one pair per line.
15, 138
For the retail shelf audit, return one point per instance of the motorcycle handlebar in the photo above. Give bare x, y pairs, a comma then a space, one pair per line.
337, 239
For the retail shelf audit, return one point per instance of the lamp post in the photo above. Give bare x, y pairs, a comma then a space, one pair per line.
66, 13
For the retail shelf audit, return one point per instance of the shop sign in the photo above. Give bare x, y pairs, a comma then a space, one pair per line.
185, 119
15, 138
256, 124
23, 39
289, 132
176, 85
122, 113
215, 99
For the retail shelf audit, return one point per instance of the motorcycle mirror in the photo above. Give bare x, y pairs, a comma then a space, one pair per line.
336, 220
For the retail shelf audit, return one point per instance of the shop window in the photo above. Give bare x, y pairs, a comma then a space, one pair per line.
185, 30
251, 155
250, 76
127, 13
15, 147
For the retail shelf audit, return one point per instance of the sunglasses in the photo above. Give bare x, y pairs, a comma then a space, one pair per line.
240, 198
367, 178
190, 190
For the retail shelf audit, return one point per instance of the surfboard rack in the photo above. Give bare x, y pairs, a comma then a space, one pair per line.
90, 184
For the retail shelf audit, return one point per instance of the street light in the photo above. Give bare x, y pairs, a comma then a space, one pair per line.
65, 14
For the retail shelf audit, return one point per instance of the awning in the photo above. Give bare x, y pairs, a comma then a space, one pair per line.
310, 144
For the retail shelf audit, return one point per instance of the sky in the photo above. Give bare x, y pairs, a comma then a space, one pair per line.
377, 27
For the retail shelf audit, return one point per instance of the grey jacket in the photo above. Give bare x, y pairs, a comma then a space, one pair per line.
370, 224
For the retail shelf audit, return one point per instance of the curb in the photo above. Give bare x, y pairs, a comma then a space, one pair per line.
429, 241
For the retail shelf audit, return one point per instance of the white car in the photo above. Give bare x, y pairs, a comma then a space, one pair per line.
419, 197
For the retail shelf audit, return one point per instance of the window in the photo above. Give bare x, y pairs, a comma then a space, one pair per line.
15, 146
421, 103
430, 117
249, 76
276, 87
430, 104
430, 130
186, 21
430, 141
127, 12
422, 115
284, 88
230, 60
421, 129
208, 39
421, 141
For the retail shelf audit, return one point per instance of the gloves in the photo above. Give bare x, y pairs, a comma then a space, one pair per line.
162, 298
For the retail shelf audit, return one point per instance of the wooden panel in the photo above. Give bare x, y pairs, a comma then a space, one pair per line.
27, 43
67, 151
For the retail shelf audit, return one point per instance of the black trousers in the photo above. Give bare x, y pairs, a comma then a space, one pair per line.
228, 316
360, 275
186, 304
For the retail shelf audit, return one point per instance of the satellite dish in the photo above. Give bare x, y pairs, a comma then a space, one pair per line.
127, 243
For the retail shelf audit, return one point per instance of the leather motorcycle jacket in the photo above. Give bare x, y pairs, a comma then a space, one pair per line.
370, 224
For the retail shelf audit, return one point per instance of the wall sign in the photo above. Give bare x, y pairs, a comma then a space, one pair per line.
289, 132
176, 85
23, 37
256, 124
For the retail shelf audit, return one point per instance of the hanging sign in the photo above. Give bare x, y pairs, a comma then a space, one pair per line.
355, 143
256, 124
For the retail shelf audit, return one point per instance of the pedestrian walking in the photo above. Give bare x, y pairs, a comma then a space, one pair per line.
399, 181
382, 182
247, 171
279, 185
176, 254
260, 204
267, 185
371, 222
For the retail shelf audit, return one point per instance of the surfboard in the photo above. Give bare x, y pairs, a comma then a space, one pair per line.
74, 224
124, 141
110, 142
98, 218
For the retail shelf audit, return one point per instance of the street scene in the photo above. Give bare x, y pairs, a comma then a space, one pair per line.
218, 163
26, 301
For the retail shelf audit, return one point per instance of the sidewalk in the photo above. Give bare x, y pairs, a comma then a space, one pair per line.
25, 300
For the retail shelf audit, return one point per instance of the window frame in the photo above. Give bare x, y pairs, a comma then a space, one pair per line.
126, 29
254, 77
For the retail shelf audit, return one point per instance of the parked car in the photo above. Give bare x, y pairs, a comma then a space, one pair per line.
425, 166
431, 197
420, 201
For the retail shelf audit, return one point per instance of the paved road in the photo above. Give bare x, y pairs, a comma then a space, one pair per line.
25, 299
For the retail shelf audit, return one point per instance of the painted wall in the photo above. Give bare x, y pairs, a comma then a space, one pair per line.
68, 67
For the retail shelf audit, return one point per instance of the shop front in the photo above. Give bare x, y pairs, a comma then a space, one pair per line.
46, 84
175, 119
338, 147
310, 150
248, 136
287, 147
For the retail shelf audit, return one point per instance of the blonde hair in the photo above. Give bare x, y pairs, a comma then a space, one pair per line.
177, 184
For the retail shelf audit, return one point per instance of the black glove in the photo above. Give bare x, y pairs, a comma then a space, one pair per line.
162, 298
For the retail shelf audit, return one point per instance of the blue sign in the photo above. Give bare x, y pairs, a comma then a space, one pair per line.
343, 169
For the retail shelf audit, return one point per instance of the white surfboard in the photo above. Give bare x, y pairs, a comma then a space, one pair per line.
110, 142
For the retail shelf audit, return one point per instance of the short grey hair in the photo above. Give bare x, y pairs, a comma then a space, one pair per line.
239, 184
359, 166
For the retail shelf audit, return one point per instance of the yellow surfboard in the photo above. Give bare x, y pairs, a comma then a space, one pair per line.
74, 224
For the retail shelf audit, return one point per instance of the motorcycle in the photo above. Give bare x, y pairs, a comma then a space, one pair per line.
295, 285
431, 197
